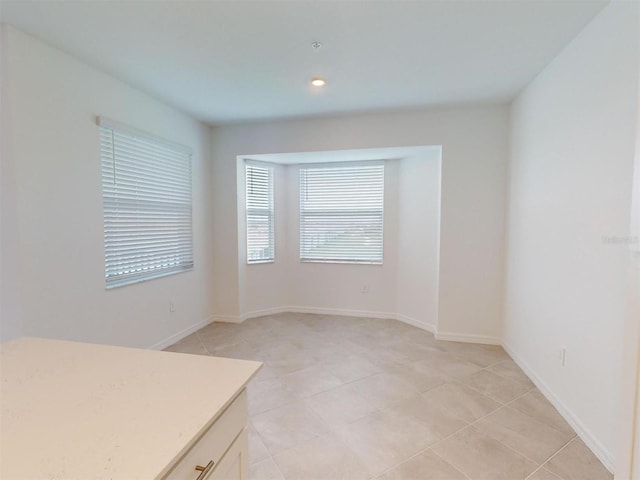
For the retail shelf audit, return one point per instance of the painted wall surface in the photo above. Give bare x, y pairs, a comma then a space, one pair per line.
339, 286
53, 141
266, 285
628, 451
418, 239
572, 148
10, 323
474, 155
287, 282
405, 284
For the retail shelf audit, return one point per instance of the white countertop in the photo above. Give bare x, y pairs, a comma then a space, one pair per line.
82, 411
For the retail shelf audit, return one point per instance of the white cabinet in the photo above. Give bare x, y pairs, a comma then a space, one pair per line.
221, 452
120, 413
235, 463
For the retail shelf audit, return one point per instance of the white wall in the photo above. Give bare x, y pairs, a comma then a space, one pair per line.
10, 323
405, 285
53, 143
474, 142
333, 286
265, 286
628, 451
572, 143
288, 283
418, 239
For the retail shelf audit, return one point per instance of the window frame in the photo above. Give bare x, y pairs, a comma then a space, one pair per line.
336, 165
271, 214
183, 258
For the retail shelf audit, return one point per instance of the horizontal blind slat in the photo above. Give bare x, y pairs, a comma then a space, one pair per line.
146, 190
260, 219
341, 213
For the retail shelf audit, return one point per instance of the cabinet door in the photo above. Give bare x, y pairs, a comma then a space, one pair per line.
208, 451
235, 463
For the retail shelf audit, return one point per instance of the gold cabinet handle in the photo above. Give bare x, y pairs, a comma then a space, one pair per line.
204, 470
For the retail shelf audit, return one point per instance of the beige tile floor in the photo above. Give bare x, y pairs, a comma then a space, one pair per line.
360, 398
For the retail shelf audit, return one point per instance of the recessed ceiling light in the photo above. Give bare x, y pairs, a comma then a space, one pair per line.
318, 82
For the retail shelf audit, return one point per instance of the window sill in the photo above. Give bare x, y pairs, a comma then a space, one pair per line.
341, 262
137, 279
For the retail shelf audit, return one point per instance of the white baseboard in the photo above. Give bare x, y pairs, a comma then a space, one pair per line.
181, 334
339, 311
457, 337
336, 311
599, 450
263, 312
228, 318
604, 455
452, 337
415, 323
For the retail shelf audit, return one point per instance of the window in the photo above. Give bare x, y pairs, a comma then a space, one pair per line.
341, 213
146, 193
260, 228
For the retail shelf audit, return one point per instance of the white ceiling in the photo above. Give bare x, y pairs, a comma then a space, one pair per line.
229, 61
427, 152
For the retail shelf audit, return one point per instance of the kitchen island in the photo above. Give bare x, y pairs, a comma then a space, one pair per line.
72, 410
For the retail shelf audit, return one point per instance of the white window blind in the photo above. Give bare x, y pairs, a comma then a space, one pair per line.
260, 222
341, 213
146, 192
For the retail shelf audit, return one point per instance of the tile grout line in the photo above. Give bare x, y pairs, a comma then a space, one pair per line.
513, 449
472, 424
501, 376
297, 398
467, 424
418, 454
203, 345
507, 378
401, 364
277, 466
475, 391
381, 409
270, 457
495, 440
560, 449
